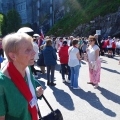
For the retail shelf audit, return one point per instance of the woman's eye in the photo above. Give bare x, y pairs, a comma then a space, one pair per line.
28, 50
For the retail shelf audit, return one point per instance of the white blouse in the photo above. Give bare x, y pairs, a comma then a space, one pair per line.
73, 60
91, 53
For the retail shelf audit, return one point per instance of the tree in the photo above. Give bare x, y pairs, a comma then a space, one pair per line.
3, 25
1, 20
13, 21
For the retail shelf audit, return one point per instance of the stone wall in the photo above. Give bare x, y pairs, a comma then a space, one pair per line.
109, 25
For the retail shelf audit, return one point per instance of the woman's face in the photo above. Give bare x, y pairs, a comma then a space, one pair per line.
25, 55
91, 42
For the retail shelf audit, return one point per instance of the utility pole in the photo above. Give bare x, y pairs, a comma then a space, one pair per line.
51, 13
40, 9
32, 4
53, 9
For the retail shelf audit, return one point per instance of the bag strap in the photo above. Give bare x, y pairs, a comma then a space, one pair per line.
48, 103
70, 50
39, 113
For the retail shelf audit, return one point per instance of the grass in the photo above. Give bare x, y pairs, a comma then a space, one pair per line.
82, 11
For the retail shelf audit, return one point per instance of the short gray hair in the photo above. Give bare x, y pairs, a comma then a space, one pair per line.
11, 42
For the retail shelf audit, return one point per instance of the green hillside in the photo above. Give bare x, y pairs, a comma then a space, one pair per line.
82, 11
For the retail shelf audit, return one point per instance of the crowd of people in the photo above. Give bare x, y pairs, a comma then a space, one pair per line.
23, 52
70, 52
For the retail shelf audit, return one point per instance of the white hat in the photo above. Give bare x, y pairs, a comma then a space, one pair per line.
36, 35
24, 30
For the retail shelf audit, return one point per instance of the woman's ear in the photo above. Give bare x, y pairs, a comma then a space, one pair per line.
12, 56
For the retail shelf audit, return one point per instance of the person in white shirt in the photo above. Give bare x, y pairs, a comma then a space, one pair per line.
60, 43
36, 49
57, 42
94, 62
68, 41
74, 63
118, 46
36, 57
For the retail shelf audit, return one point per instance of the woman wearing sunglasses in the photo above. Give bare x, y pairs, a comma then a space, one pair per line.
94, 62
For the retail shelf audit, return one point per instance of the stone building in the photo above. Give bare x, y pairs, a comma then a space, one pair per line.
39, 13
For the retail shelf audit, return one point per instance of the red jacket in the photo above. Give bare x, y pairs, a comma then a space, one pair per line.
63, 54
108, 42
104, 44
113, 45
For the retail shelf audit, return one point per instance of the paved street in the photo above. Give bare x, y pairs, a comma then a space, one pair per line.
87, 103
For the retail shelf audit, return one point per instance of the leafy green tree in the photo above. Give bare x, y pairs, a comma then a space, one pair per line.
1, 20
13, 21
3, 25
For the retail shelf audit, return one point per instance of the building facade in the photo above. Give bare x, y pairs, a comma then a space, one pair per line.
39, 13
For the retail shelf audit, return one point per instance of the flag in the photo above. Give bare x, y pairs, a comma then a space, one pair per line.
41, 34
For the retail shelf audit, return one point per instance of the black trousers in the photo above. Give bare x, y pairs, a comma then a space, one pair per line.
52, 70
113, 50
65, 67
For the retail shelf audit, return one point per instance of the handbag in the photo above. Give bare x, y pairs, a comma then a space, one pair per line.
54, 115
93, 65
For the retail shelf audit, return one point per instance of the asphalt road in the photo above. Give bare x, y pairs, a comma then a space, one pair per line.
87, 103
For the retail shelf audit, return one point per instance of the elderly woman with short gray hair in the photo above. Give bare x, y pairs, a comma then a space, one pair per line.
18, 93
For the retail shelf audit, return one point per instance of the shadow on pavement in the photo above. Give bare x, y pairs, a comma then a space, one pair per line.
109, 95
115, 58
42, 76
110, 70
63, 98
93, 100
103, 61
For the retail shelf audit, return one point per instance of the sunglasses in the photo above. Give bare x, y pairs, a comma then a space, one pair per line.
91, 40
